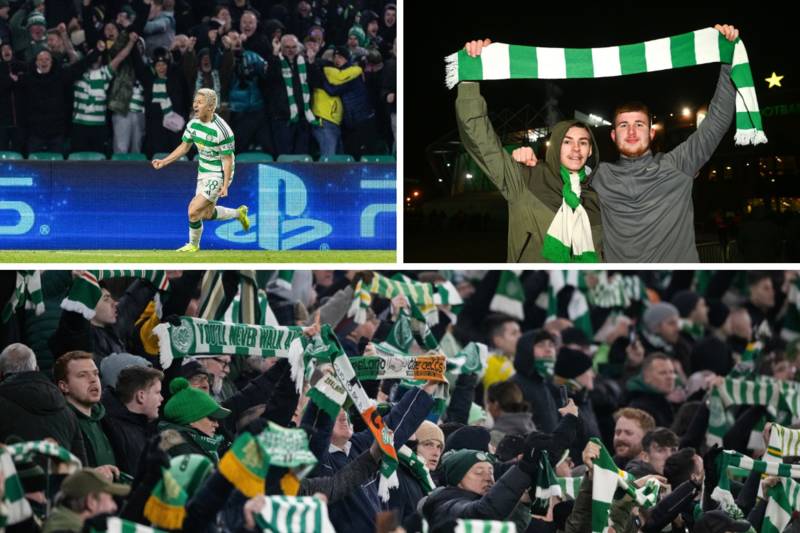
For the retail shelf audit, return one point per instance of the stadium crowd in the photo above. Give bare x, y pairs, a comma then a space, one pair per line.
113, 76
575, 401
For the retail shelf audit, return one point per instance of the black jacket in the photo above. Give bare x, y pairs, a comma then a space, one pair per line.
33, 408
446, 505
654, 403
405, 497
126, 431
538, 392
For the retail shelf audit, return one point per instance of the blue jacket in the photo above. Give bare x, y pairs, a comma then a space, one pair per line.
245, 92
357, 107
357, 512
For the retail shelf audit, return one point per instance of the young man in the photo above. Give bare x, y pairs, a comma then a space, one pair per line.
646, 198
215, 145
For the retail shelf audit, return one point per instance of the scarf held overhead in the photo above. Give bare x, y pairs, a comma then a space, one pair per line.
500, 61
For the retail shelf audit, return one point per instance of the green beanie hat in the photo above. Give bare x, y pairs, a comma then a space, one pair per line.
456, 464
189, 405
358, 31
36, 18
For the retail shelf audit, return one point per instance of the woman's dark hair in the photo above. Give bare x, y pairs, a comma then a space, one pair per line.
508, 396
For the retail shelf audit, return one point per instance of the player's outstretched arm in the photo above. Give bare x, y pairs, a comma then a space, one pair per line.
176, 154
227, 174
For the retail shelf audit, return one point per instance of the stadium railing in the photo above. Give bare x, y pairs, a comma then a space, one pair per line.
86, 156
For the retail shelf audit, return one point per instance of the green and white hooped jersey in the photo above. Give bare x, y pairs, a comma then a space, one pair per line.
89, 93
213, 140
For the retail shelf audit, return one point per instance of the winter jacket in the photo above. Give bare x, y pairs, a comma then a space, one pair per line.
348, 83
98, 448
126, 431
245, 93
405, 497
76, 333
643, 396
446, 505
276, 96
357, 511
63, 520
538, 392
33, 408
647, 209
512, 424
533, 193
39, 328
159, 32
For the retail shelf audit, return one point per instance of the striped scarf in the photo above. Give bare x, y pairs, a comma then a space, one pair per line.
304, 514
251, 459
509, 296
118, 525
286, 73
733, 460
501, 61
24, 451
166, 506
27, 293
782, 500
161, 96
196, 336
417, 467
569, 237
570, 486
547, 486
85, 291
616, 291
214, 304
783, 441
484, 526
606, 478
14, 508
418, 294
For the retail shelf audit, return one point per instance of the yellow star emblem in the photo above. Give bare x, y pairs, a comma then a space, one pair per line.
774, 80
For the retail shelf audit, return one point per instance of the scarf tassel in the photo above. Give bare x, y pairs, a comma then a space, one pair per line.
162, 514
245, 481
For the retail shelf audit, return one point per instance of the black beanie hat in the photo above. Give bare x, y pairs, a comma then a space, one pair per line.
575, 336
685, 301
571, 363
717, 313
469, 438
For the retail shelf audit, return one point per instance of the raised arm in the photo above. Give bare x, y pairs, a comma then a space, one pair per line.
122, 54
694, 152
481, 141
176, 154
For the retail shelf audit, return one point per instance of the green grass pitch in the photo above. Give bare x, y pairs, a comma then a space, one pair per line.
203, 256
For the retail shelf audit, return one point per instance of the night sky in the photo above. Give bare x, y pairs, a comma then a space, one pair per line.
436, 29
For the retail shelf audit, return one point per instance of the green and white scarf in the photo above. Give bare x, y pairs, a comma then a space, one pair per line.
783, 441
27, 293
166, 506
303, 514
616, 290
500, 61
85, 291
472, 359
417, 293
791, 321
484, 526
14, 508
782, 500
606, 478
411, 460
578, 306
214, 305
569, 237
547, 486
509, 296
24, 451
570, 486
250, 458
118, 525
196, 336
735, 460
286, 73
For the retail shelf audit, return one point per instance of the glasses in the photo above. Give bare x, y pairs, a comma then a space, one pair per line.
222, 362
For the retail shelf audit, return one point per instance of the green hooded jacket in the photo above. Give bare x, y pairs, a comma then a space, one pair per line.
533, 193
98, 448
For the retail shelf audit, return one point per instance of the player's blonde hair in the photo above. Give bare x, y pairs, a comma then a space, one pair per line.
210, 95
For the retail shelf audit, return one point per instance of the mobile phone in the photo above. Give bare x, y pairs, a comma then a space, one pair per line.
564, 396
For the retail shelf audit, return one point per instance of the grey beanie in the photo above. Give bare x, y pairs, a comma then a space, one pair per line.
658, 313
111, 366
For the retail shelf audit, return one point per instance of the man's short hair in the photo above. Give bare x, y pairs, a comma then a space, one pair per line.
632, 106
756, 276
643, 418
61, 364
17, 357
679, 466
135, 378
495, 323
653, 357
663, 437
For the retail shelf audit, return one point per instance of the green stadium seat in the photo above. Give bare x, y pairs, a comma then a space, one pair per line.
86, 156
375, 158
254, 157
46, 156
337, 158
162, 155
10, 156
295, 158
129, 157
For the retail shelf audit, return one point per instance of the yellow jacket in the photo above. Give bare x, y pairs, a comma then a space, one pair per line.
323, 105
